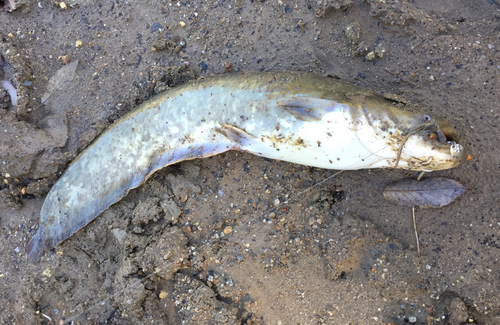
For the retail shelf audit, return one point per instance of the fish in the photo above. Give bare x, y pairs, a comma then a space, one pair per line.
296, 117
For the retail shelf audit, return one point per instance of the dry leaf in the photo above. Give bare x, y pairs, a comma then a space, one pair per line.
60, 79
428, 193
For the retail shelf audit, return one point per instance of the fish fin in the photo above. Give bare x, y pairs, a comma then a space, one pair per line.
36, 246
56, 231
305, 108
245, 142
236, 135
187, 153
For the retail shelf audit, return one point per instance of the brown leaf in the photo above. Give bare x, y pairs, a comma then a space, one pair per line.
60, 79
428, 193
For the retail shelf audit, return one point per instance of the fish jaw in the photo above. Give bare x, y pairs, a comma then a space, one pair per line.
413, 144
435, 146
407, 140
423, 154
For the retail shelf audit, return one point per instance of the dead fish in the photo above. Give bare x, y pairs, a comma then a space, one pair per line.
295, 117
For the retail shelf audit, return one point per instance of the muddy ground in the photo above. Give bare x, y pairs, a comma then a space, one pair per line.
237, 239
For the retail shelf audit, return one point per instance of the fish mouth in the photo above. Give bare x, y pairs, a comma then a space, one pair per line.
449, 139
443, 129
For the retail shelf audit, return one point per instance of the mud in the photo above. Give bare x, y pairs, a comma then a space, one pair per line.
237, 239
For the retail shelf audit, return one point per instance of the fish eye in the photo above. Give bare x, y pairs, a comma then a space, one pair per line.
427, 117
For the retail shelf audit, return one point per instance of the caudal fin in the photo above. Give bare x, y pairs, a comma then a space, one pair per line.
36, 246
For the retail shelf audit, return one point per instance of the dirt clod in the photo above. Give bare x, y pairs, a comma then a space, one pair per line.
458, 311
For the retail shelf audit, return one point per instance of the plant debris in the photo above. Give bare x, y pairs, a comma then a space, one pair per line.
428, 193
416, 231
60, 79
10, 5
11, 90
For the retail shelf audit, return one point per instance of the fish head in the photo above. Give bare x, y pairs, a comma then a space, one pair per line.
430, 144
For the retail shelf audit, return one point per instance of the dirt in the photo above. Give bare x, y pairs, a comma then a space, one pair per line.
237, 239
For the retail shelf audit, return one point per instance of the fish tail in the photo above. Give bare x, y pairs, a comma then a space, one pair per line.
36, 245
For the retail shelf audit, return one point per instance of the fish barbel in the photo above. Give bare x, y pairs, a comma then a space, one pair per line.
300, 118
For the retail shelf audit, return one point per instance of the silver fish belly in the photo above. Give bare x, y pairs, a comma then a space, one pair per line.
300, 118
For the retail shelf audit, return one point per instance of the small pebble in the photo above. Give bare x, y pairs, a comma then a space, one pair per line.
162, 295
412, 319
65, 59
47, 272
380, 50
182, 24
155, 27
78, 43
228, 230
353, 32
4, 99
362, 49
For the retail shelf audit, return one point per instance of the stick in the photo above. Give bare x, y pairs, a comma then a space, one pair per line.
416, 233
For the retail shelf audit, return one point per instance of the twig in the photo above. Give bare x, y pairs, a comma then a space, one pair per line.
46, 316
406, 137
416, 232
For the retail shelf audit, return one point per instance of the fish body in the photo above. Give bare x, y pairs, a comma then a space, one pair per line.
300, 118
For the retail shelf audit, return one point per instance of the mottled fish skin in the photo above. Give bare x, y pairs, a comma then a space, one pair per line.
300, 118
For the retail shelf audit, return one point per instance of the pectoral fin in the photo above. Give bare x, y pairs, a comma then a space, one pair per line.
236, 135
246, 142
